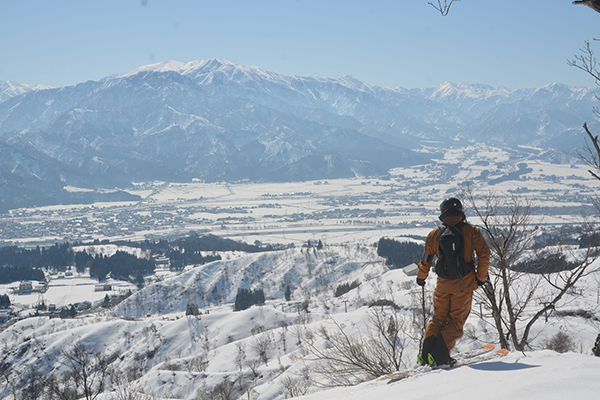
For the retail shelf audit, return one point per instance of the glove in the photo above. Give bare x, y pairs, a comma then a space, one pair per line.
480, 283
420, 282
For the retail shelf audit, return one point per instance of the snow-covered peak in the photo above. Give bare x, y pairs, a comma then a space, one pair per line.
10, 89
473, 91
221, 70
183, 68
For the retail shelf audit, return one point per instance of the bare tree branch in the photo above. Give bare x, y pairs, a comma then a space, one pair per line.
587, 62
593, 153
444, 9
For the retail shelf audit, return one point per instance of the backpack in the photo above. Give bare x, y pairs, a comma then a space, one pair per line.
451, 263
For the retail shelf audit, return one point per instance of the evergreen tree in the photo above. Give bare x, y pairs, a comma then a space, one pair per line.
192, 309
288, 293
4, 301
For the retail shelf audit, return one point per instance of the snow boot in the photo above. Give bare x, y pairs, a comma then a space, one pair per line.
440, 355
428, 346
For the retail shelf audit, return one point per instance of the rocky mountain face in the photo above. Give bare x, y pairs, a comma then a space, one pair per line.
215, 120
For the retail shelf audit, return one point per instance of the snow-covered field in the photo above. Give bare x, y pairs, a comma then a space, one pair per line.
64, 290
404, 202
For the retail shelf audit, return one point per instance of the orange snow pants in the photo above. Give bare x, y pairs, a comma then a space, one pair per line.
451, 307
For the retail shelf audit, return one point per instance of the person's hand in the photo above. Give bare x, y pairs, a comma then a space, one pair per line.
420, 282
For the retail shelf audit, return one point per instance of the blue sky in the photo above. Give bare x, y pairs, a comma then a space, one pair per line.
514, 43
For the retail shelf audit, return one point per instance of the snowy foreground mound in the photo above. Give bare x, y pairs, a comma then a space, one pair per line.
538, 375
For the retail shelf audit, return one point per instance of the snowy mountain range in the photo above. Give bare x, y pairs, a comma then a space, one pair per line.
215, 120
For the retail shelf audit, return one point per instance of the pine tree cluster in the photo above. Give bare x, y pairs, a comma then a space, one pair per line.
192, 309
345, 288
121, 265
399, 254
246, 298
9, 274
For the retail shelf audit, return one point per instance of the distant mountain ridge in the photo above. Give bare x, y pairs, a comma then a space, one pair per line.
11, 89
216, 120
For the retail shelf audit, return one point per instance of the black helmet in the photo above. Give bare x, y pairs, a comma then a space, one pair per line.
451, 203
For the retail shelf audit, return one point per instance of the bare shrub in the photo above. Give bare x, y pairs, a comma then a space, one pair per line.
294, 386
561, 343
198, 363
350, 359
470, 332
224, 390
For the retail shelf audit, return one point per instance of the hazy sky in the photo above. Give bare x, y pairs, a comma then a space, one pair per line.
514, 43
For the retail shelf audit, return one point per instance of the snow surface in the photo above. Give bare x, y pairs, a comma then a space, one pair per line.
64, 290
151, 335
536, 375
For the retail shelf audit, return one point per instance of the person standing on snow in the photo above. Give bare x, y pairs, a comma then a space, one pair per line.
455, 244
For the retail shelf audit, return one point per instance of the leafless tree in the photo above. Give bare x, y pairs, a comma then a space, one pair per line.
224, 390
198, 363
32, 384
444, 8
86, 373
9, 383
348, 359
517, 299
240, 356
253, 364
261, 346
587, 62
298, 331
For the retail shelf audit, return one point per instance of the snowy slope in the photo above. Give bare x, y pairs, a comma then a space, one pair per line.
159, 348
308, 272
537, 375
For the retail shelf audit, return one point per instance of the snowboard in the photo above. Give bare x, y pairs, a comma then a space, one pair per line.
483, 353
